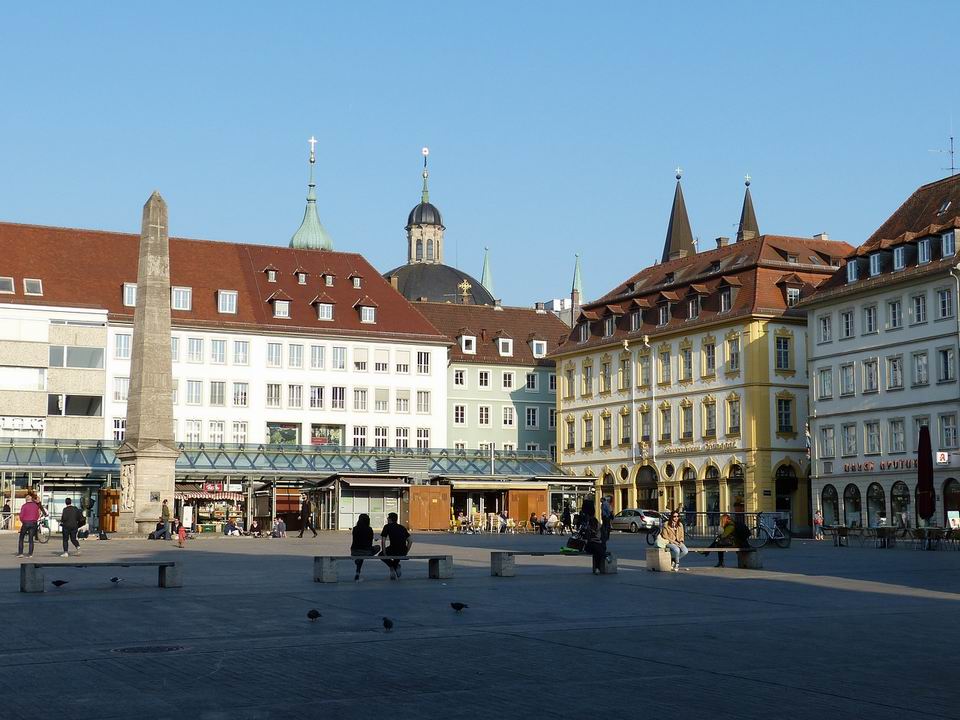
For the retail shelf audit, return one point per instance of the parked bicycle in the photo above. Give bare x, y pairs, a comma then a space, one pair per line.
42, 534
769, 530
654, 533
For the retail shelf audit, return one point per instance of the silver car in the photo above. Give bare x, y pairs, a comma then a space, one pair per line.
635, 520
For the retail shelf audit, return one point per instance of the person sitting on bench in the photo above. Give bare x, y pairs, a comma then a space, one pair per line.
589, 531
672, 535
733, 533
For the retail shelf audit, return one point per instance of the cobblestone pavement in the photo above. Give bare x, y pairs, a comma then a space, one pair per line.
821, 632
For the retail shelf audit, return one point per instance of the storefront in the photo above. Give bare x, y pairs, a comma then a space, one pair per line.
375, 495
570, 494
206, 507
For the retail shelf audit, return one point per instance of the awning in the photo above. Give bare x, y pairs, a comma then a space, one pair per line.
586, 483
373, 481
495, 485
202, 495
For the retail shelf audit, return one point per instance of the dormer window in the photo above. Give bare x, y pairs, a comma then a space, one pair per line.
181, 298
325, 311
539, 348
584, 331
664, 314
505, 347
851, 270
792, 259
356, 281
793, 296
301, 278
668, 278
609, 325
129, 294
227, 302
923, 251
32, 286
636, 320
271, 275
714, 267
693, 307
948, 244
368, 314
6, 285
874, 264
281, 308
468, 344
726, 299
328, 280
899, 257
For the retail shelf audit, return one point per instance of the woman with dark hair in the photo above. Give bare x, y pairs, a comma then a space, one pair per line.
588, 529
362, 543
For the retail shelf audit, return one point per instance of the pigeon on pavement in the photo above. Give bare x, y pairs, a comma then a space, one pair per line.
59, 583
116, 580
313, 614
458, 606
387, 624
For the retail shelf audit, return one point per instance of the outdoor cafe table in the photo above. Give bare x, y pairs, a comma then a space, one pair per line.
931, 535
886, 536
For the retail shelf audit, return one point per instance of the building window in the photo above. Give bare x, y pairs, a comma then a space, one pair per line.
847, 329
368, 314
609, 325
356, 282
359, 436
215, 432
825, 384
919, 303
784, 360
897, 436
241, 393
129, 294
271, 275
625, 429
870, 319
181, 298
273, 395
588, 433
281, 308
423, 401
827, 443
380, 436
423, 363
507, 381
605, 377
423, 438
360, 359
636, 320
274, 354
460, 378
239, 432
923, 251
847, 386
849, 434
340, 358
733, 416
317, 357
710, 419
483, 415
693, 307
218, 393
505, 347
664, 314
793, 296
75, 405
328, 280
119, 429
468, 344
874, 264
316, 397
944, 303
402, 436
871, 373
665, 424
645, 432
899, 258
948, 431
508, 416
121, 346
227, 302
324, 311
218, 352
583, 332
533, 383
851, 270
360, 399
606, 432
945, 365
709, 359
175, 391
459, 414
195, 350
175, 349
825, 329
921, 369
784, 415
948, 244
686, 364
552, 418
895, 373
686, 422
241, 352
871, 437
664, 367
295, 356
532, 417
483, 379
121, 389
32, 286
733, 354
895, 314
193, 431
539, 348
571, 435
338, 398
194, 392
587, 388
644, 362
726, 299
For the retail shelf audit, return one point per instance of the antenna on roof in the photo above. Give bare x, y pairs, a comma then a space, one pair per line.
952, 168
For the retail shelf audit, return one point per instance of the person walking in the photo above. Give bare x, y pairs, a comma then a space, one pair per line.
394, 541
165, 516
672, 534
181, 531
30, 513
71, 520
566, 521
306, 517
6, 515
362, 543
606, 515
818, 525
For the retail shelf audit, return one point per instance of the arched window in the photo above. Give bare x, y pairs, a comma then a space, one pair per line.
647, 488
951, 504
688, 493
786, 484
876, 505
429, 249
711, 495
829, 505
419, 255
900, 504
852, 511
735, 488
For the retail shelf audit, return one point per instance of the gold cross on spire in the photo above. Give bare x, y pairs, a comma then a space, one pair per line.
464, 288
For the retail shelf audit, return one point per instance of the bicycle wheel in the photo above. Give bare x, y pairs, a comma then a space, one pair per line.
652, 536
759, 537
43, 534
783, 538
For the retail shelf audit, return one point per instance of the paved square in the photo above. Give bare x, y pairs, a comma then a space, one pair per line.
821, 632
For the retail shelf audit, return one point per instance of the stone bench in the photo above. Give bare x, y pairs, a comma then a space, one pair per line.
659, 559
32, 579
325, 566
503, 564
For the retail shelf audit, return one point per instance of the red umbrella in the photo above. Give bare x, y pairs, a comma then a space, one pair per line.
926, 502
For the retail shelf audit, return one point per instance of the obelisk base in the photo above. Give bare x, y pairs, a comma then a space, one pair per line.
147, 478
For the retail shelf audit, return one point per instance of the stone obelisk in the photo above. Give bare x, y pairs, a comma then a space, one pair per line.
148, 455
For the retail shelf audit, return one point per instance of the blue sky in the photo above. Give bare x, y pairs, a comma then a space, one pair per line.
554, 127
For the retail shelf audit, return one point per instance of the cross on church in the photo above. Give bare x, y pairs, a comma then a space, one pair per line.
464, 287
313, 147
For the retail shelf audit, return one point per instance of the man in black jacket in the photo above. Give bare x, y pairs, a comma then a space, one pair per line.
306, 517
71, 520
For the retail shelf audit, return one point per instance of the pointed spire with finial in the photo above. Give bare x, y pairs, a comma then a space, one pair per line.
576, 290
486, 279
425, 194
679, 241
748, 228
311, 234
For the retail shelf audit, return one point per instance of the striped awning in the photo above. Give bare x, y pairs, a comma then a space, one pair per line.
203, 495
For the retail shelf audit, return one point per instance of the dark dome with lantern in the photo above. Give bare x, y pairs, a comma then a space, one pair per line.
436, 282
424, 214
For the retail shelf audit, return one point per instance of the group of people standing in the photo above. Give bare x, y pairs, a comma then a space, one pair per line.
32, 512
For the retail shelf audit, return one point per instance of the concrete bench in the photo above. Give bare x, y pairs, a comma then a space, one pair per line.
325, 566
503, 564
32, 579
659, 559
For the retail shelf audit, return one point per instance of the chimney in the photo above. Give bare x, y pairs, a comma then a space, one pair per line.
821, 236
395, 282
723, 242
539, 306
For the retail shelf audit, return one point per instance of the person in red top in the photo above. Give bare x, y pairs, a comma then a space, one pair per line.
29, 520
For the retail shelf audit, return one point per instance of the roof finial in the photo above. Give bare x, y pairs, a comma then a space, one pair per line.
679, 172
313, 149
425, 196
746, 179
486, 279
311, 235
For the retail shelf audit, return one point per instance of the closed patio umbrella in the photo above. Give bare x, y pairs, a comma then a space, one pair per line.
926, 501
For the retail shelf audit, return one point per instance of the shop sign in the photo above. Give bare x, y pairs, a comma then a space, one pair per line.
22, 423
943, 458
213, 487
870, 466
699, 447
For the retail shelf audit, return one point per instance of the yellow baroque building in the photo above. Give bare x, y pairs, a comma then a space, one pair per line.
687, 383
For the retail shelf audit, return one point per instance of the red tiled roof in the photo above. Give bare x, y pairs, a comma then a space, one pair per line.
522, 324
920, 215
87, 268
751, 268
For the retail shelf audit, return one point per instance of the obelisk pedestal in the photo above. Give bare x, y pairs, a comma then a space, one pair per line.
148, 455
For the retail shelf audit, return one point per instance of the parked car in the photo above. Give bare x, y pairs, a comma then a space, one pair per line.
635, 520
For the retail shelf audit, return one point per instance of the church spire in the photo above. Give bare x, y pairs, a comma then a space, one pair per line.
486, 279
679, 241
311, 235
425, 195
748, 228
576, 290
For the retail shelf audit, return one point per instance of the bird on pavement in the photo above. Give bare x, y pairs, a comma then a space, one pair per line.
458, 606
387, 624
313, 614
116, 580
59, 583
